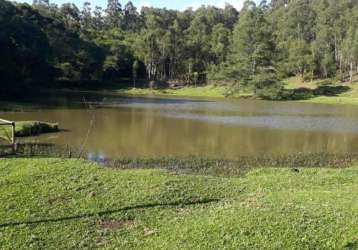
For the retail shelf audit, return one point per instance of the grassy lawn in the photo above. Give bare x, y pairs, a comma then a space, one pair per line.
296, 82
217, 90
200, 91
189, 91
349, 97
63, 204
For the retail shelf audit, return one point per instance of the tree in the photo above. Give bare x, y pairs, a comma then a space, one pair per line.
71, 16
130, 20
114, 13
220, 42
24, 47
299, 57
253, 49
350, 51
256, 47
86, 16
279, 3
267, 84
41, 3
230, 16
198, 35
350, 45
135, 69
98, 19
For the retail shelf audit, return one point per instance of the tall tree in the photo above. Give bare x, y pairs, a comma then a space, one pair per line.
307, 38
253, 50
86, 16
230, 16
114, 13
131, 19
41, 3
98, 18
71, 16
350, 45
220, 42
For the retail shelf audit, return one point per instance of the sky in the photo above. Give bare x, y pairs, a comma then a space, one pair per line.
171, 4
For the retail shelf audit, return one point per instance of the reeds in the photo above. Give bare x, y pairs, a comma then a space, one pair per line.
194, 164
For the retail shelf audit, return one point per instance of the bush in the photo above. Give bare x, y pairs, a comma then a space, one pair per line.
297, 94
32, 128
267, 85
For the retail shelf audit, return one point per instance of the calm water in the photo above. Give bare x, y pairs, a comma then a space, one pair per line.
124, 126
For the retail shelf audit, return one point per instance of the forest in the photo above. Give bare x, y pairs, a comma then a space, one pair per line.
44, 44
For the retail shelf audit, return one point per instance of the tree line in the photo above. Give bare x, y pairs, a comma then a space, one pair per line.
256, 47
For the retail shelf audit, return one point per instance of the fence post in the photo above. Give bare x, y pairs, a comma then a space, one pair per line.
13, 139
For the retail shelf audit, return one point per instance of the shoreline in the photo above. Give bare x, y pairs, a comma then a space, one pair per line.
144, 92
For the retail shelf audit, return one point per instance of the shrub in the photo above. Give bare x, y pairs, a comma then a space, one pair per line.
267, 85
31, 128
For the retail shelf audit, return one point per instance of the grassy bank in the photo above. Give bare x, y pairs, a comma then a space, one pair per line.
350, 97
336, 92
28, 128
312, 91
201, 91
211, 90
54, 203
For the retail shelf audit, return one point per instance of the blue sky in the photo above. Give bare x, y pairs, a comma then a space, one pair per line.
171, 4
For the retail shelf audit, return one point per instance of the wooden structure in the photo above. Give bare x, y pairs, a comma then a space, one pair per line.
12, 124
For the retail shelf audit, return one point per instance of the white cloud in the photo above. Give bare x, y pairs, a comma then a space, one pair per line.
144, 4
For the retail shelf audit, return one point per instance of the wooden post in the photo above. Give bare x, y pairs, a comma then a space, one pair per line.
13, 133
13, 139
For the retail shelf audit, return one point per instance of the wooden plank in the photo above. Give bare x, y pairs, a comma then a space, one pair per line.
5, 122
28, 144
13, 134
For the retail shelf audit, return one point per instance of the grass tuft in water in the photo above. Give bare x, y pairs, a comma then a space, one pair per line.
195, 164
225, 167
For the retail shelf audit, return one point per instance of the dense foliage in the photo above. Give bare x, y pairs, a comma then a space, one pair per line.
254, 48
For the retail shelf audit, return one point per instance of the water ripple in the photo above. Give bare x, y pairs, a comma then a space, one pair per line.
320, 123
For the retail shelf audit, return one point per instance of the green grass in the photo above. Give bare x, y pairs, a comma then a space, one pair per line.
349, 97
296, 82
200, 91
28, 128
233, 167
223, 90
74, 204
220, 91
214, 91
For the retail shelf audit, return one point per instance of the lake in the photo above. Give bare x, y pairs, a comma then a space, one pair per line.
114, 126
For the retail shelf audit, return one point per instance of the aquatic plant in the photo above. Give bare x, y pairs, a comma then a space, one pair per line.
193, 164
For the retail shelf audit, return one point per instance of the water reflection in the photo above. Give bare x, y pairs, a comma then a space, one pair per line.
319, 123
96, 157
160, 127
